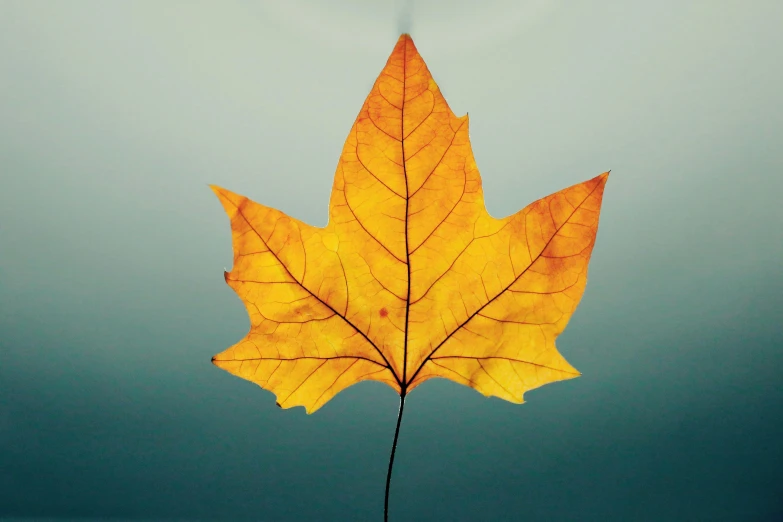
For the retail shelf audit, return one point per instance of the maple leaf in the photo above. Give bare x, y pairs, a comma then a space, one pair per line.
411, 278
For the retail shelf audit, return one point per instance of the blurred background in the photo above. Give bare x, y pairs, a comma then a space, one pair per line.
114, 117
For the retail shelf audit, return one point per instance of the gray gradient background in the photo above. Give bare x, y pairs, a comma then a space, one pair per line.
114, 117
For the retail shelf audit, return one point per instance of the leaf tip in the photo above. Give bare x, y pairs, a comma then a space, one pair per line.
600, 180
228, 199
404, 39
219, 192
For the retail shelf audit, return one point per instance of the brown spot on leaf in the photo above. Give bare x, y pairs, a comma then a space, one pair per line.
383, 312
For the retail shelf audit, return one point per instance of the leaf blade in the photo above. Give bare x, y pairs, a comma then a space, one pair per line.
411, 278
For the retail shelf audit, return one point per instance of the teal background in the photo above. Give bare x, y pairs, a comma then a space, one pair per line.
114, 117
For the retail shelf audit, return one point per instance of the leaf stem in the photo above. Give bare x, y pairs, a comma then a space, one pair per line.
391, 457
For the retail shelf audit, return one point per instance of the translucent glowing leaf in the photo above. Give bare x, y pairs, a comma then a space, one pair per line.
412, 278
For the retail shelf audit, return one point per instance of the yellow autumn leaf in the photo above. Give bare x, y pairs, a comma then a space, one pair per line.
412, 278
